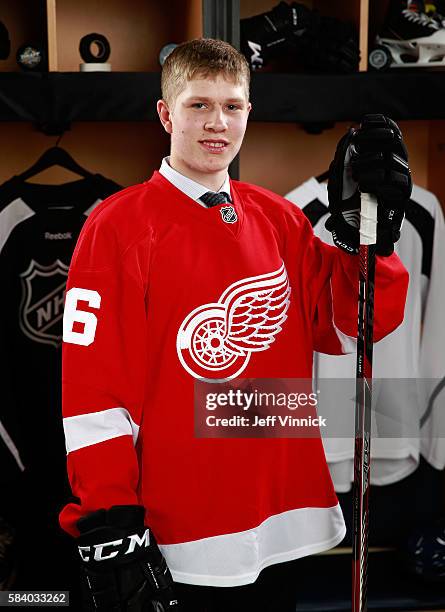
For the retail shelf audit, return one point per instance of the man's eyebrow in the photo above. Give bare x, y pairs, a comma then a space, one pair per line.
202, 98
205, 99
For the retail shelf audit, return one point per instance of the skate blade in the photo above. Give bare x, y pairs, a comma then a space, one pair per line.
426, 52
436, 65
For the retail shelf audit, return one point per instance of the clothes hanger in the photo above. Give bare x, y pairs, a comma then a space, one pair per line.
322, 177
54, 156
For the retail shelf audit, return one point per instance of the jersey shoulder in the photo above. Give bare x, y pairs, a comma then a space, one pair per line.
136, 207
112, 207
113, 228
125, 216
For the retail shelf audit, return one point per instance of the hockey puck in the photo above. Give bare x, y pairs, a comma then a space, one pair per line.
5, 43
379, 58
94, 49
30, 57
165, 52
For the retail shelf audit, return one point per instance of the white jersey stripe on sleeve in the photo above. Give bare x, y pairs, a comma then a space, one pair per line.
95, 427
348, 343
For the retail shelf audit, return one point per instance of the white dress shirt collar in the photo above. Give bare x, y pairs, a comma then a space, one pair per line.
187, 185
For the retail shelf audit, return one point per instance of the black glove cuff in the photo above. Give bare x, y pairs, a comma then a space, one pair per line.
387, 235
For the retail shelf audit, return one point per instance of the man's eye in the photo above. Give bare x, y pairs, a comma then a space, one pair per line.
198, 104
233, 106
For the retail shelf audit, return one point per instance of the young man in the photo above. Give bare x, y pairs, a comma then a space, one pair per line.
190, 276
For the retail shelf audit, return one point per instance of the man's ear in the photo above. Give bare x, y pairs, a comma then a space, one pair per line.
164, 116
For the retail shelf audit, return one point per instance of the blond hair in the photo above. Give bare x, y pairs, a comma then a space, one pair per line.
202, 57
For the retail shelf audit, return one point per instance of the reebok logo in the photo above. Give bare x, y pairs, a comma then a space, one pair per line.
58, 236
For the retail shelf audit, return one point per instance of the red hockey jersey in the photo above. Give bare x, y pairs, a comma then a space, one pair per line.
151, 269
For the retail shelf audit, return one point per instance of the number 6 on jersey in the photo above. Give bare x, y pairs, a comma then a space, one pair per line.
73, 315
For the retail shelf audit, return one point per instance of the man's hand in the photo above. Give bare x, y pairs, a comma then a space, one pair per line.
123, 568
371, 159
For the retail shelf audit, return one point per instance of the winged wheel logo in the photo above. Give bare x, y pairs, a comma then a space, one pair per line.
216, 341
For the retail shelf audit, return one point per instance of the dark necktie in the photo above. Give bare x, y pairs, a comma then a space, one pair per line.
212, 198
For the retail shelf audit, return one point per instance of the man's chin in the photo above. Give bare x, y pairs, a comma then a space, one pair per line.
217, 164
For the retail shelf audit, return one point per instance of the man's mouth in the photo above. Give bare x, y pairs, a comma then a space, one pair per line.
214, 146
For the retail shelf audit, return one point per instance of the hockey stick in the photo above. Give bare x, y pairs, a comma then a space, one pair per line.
362, 453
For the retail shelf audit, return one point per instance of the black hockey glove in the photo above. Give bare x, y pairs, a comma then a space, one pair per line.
271, 34
316, 43
122, 566
330, 45
371, 159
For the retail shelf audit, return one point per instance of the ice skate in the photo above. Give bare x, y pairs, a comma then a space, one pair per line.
410, 39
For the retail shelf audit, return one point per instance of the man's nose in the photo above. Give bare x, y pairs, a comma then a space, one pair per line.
217, 121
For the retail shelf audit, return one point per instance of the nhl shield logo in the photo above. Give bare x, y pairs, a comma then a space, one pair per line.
41, 309
228, 214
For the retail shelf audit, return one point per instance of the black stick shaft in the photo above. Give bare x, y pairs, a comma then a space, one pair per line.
362, 454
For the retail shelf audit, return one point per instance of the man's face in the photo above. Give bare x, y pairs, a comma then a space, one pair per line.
207, 125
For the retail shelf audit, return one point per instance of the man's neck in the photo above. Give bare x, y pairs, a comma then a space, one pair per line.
213, 181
